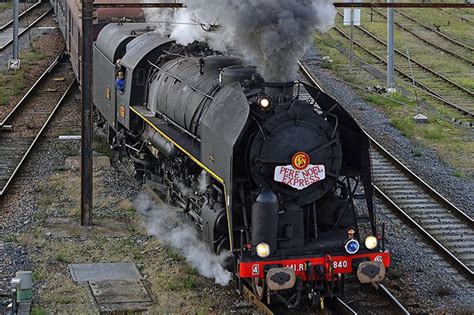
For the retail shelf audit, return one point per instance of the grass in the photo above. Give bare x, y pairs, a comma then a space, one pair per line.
448, 65
417, 153
170, 277
101, 146
406, 125
38, 310
12, 82
11, 238
6, 6
448, 21
433, 133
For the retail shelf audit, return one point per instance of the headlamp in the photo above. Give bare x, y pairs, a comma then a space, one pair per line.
370, 242
263, 250
352, 246
264, 102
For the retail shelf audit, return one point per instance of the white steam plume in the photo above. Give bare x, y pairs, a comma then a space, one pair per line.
160, 17
166, 225
271, 34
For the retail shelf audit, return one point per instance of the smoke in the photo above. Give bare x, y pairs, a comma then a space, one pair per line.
270, 34
160, 17
203, 182
166, 224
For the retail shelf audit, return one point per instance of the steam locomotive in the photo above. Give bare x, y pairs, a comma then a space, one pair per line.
281, 183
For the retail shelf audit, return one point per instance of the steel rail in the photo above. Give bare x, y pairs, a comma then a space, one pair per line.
249, 295
454, 41
444, 50
17, 168
337, 306
26, 29
20, 15
407, 76
418, 63
462, 18
421, 184
393, 299
33, 87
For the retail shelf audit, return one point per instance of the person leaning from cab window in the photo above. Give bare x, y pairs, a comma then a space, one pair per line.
120, 81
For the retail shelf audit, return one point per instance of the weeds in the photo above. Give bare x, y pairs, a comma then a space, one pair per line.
406, 125
11, 238
181, 282
38, 310
12, 82
433, 133
417, 152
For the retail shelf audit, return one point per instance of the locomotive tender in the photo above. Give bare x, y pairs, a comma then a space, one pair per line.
281, 183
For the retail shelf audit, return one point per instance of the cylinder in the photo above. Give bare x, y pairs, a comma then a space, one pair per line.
165, 147
265, 219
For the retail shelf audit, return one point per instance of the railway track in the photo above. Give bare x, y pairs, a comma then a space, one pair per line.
429, 36
434, 83
446, 37
333, 306
4, 26
338, 306
23, 126
446, 227
28, 19
454, 13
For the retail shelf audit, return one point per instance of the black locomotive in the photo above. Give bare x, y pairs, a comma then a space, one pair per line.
264, 174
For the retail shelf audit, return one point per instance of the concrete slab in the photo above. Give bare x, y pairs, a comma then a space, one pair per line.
420, 119
104, 271
120, 295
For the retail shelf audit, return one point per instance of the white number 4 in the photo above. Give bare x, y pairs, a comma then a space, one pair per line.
255, 270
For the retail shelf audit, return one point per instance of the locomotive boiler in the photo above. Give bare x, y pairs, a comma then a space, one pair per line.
281, 182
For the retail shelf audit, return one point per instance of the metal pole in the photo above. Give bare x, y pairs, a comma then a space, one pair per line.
86, 139
390, 49
351, 42
16, 7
